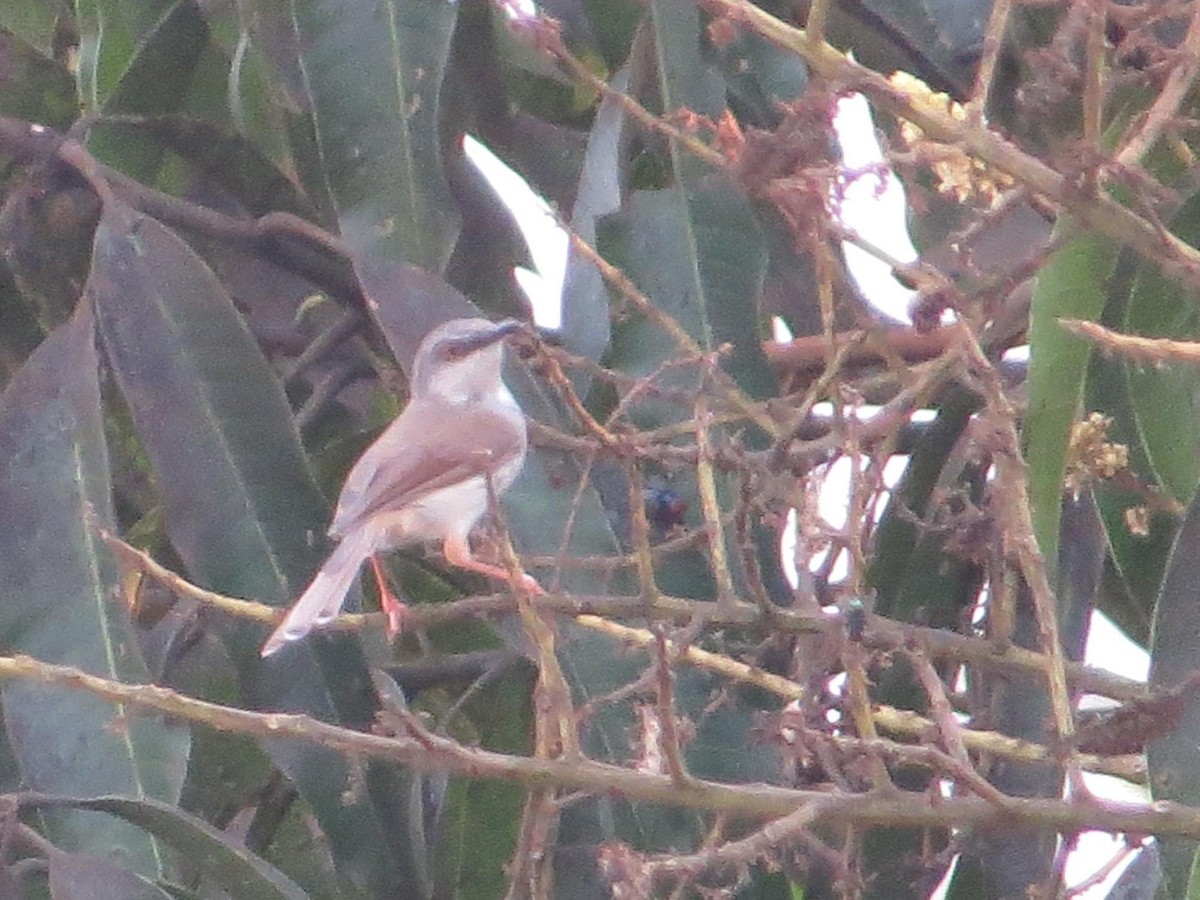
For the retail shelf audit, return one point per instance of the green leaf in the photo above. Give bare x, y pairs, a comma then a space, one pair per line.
615, 23
761, 77
697, 249
211, 853
1151, 412
34, 88
586, 329
490, 244
228, 159
698, 255
1193, 882
914, 579
477, 834
968, 882
1137, 561
32, 21
74, 876
301, 851
20, 332
902, 34
136, 58
1166, 400
545, 153
212, 415
370, 88
1174, 656
109, 36
1072, 285
239, 502
234, 86
60, 605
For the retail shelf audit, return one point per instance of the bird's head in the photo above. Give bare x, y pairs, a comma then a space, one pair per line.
462, 359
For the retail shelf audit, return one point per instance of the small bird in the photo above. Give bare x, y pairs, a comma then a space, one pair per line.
426, 477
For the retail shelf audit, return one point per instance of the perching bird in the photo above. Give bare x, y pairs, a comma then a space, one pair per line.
426, 477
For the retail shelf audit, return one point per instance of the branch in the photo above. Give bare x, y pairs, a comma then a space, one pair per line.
287, 240
426, 752
811, 353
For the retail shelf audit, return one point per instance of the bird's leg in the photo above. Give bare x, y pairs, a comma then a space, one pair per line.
393, 607
458, 553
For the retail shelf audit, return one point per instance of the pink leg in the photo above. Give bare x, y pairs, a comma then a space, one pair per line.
458, 553
393, 607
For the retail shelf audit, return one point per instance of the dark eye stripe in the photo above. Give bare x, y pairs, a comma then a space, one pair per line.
455, 349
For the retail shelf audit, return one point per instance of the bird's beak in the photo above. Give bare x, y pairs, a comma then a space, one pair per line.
502, 329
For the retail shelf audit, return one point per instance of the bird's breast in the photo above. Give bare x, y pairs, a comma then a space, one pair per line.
447, 512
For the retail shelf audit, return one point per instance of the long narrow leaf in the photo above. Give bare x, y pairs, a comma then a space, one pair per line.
1166, 400
375, 122
241, 508
59, 591
1174, 655
208, 851
1072, 285
136, 58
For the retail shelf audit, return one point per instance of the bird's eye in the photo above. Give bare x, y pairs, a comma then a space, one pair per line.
451, 350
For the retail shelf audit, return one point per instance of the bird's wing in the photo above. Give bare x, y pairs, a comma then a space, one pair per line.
403, 465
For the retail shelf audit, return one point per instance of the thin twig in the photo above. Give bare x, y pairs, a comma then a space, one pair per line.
858, 701
639, 533
940, 709
1021, 543
740, 853
684, 341
993, 43
553, 45
664, 695
710, 508
1143, 350
880, 634
882, 717
1166, 104
1093, 77
1097, 211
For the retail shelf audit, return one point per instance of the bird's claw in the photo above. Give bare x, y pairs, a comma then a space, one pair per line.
395, 610
531, 585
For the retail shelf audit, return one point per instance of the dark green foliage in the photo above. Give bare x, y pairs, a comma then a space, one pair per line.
224, 230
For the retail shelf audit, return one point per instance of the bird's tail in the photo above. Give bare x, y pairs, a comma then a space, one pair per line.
323, 598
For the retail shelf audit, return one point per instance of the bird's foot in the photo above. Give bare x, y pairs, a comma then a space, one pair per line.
392, 606
458, 553
531, 586
396, 610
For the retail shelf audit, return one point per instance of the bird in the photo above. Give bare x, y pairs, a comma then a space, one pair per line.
426, 477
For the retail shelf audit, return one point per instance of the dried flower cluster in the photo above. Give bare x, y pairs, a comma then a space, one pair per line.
1091, 456
959, 175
